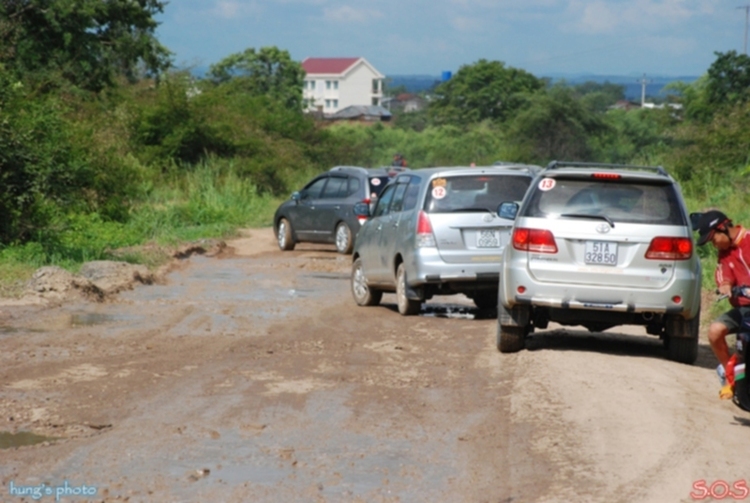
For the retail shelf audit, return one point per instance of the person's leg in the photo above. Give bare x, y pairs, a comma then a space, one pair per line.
717, 337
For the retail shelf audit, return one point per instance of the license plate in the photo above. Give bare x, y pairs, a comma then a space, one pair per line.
488, 239
601, 253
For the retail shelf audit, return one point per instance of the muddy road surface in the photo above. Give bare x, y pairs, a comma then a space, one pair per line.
253, 377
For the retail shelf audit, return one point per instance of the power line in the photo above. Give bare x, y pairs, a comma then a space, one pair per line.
747, 17
643, 83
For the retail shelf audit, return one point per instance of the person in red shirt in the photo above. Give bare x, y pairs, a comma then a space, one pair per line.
733, 269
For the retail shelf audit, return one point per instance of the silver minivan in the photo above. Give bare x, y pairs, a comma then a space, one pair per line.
601, 245
436, 231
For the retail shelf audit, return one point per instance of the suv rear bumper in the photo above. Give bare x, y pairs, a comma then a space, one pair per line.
588, 298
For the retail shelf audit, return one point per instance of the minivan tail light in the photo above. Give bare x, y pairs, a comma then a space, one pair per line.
670, 248
606, 176
534, 240
425, 236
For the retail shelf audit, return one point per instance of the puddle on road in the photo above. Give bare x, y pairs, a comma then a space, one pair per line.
340, 276
89, 319
8, 330
9, 440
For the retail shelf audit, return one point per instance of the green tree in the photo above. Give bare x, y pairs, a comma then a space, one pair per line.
728, 79
484, 90
86, 42
269, 71
599, 97
555, 125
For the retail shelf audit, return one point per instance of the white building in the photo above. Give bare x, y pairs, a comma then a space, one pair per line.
332, 84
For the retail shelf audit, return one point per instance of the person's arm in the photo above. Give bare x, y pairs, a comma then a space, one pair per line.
724, 278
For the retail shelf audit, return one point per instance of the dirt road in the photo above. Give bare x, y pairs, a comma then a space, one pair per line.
253, 377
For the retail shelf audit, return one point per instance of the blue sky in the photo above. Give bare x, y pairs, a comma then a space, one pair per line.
544, 37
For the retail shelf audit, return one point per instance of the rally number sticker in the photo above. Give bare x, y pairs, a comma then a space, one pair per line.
375, 182
438, 192
546, 184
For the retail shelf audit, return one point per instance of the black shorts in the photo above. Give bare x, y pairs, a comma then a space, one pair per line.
733, 318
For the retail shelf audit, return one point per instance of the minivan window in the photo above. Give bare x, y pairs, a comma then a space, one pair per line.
398, 198
353, 186
377, 184
482, 192
383, 203
620, 201
336, 188
313, 190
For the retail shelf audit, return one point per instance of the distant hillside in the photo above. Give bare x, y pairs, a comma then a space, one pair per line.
654, 87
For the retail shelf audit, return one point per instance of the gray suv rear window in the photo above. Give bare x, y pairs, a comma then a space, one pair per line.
620, 201
473, 192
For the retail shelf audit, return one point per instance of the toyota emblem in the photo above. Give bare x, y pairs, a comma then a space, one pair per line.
602, 228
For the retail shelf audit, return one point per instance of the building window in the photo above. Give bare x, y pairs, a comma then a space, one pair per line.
335, 103
335, 84
328, 103
328, 84
376, 101
375, 86
312, 85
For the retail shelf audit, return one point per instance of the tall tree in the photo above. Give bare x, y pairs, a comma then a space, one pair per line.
729, 79
87, 42
269, 71
484, 90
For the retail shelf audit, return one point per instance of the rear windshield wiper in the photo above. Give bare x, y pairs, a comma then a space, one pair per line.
596, 217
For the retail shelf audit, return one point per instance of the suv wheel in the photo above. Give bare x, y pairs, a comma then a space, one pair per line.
510, 339
406, 306
682, 339
343, 239
284, 235
363, 294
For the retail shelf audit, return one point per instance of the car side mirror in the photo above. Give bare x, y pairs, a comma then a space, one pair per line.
296, 196
507, 210
362, 210
694, 219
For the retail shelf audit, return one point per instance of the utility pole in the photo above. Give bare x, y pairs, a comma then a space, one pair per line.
747, 17
643, 83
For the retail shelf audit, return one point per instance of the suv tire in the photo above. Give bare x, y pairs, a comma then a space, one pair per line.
344, 241
682, 339
363, 294
510, 339
284, 235
406, 306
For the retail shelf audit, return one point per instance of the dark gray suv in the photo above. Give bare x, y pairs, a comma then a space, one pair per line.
322, 212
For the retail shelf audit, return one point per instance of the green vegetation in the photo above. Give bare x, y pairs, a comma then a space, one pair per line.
104, 148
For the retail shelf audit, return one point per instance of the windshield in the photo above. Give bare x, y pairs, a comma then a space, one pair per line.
614, 201
377, 184
468, 193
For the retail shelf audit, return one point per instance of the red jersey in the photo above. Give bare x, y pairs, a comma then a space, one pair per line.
734, 266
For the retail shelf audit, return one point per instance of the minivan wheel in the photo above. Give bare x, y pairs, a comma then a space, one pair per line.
363, 294
284, 235
510, 339
406, 306
343, 239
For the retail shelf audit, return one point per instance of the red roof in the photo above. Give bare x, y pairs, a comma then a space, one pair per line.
328, 65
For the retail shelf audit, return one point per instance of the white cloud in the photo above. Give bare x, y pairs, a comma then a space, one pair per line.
469, 24
232, 9
348, 14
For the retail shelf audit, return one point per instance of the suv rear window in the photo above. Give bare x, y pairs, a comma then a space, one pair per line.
377, 184
620, 201
474, 192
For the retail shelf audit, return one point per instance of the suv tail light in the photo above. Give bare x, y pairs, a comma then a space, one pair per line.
425, 237
670, 248
534, 240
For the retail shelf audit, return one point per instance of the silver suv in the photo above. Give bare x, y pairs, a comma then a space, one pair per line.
436, 232
601, 245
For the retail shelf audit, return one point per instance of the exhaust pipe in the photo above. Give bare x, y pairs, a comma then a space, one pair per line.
648, 316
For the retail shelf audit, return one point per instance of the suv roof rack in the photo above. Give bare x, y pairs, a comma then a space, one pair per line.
354, 168
566, 164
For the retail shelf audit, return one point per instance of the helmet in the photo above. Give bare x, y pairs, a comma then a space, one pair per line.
710, 222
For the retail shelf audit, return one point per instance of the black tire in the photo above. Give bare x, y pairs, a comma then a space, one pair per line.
406, 306
363, 294
682, 339
510, 339
284, 235
344, 241
487, 301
